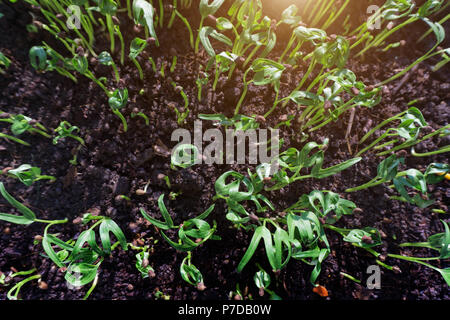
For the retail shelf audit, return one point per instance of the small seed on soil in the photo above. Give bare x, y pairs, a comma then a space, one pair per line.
201, 286
151, 273
367, 239
43, 285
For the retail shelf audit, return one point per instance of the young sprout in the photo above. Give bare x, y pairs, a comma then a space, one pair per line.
137, 46
439, 242
411, 123
13, 293
28, 174
143, 265
66, 130
152, 62
386, 171
21, 124
266, 72
27, 217
293, 161
191, 233
38, 58
143, 13
201, 81
81, 65
142, 115
206, 9
117, 101
224, 61
122, 44
191, 274
174, 60
106, 59
109, 9
262, 281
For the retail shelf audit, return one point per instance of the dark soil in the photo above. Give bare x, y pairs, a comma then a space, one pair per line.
116, 163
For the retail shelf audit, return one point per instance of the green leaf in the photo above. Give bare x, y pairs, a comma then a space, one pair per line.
27, 213
143, 13
259, 233
107, 7
118, 99
15, 219
207, 8
38, 58
107, 226
289, 16
231, 190
20, 124
88, 237
144, 270
80, 274
137, 46
190, 273
358, 235
80, 64
262, 279
207, 32
105, 58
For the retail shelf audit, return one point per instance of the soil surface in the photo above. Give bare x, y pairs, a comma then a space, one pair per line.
115, 163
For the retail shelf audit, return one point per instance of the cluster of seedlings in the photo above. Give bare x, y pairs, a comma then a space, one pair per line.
241, 39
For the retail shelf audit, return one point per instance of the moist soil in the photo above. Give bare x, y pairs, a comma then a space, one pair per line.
115, 163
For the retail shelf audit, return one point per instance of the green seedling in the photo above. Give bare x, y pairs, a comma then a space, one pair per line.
106, 59
224, 61
28, 174
143, 13
386, 171
142, 115
302, 35
201, 82
265, 72
439, 242
38, 58
117, 101
191, 233
122, 44
13, 293
411, 123
66, 130
109, 9
191, 274
143, 264
57, 62
153, 64
137, 46
206, 8
27, 217
412, 179
262, 281
292, 161
81, 65
322, 203
21, 124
